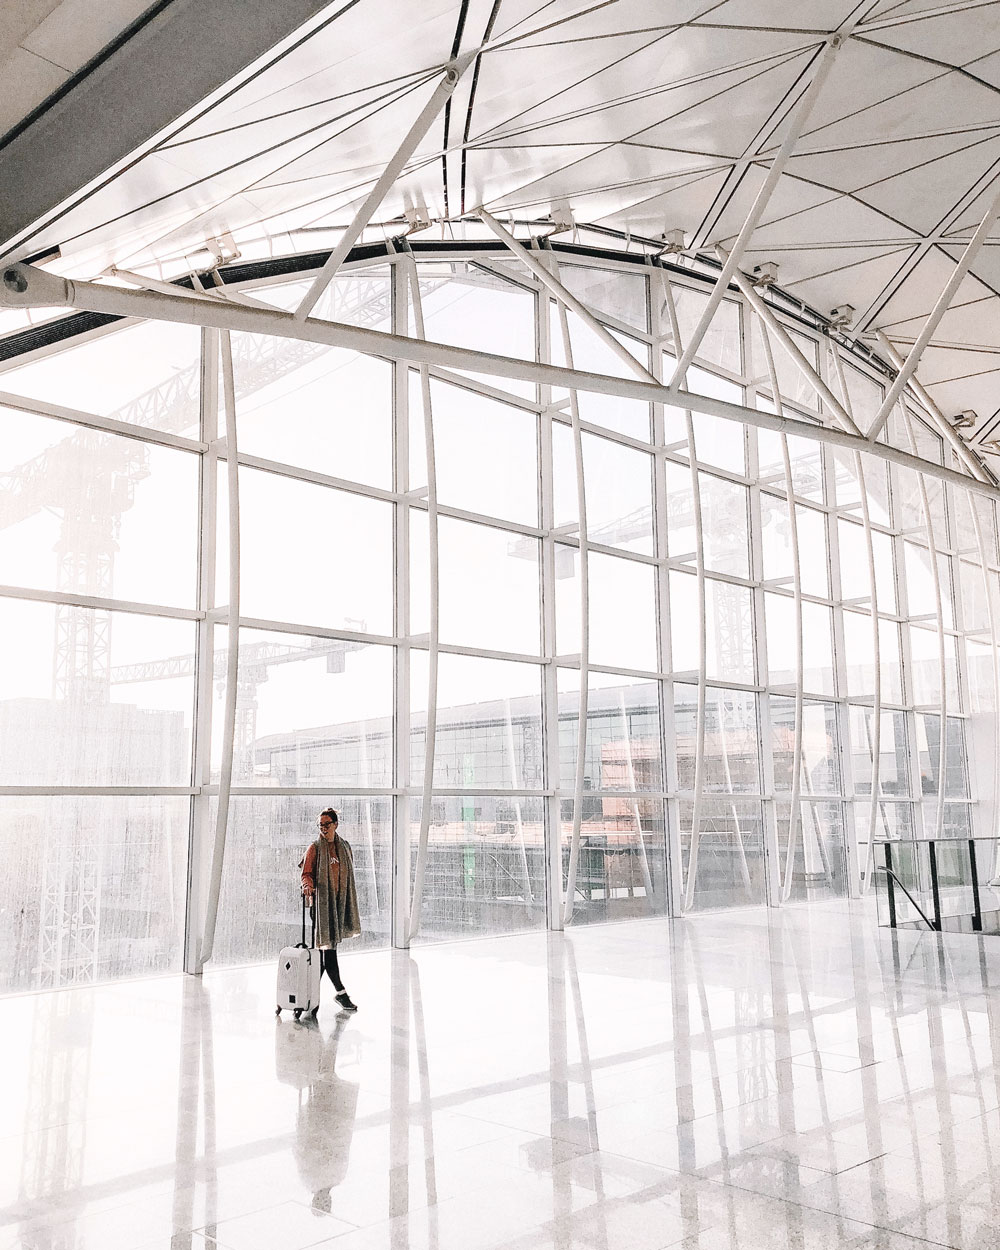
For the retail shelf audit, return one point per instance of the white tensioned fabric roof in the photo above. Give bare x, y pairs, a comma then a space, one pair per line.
644, 116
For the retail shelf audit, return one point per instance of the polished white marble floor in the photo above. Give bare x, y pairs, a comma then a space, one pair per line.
755, 1080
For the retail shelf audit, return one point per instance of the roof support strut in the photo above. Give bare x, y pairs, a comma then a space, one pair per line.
567, 298
791, 138
24, 286
753, 298
958, 443
378, 192
934, 317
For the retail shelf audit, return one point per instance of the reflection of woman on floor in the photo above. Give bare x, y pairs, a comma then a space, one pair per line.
325, 1124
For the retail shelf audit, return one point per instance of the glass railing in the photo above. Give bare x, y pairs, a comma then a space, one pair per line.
944, 884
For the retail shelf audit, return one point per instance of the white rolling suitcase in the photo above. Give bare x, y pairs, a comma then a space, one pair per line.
299, 970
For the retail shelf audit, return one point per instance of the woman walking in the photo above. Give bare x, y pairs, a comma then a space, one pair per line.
328, 885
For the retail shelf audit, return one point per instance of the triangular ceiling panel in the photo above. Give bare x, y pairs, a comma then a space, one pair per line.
865, 164
857, 284
820, 15
929, 194
954, 37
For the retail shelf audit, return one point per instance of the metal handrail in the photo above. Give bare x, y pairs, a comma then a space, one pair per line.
889, 872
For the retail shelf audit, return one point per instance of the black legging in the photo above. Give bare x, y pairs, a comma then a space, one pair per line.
332, 969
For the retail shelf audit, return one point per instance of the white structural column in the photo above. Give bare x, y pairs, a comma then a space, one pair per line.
875, 737
550, 671
565, 297
795, 128
434, 598
581, 738
939, 612
401, 836
668, 732
232, 663
207, 505
991, 616
958, 443
768, 321
690, 881
794, 813
378, 192
934, 317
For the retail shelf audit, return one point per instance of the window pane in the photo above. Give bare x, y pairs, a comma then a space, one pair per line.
620, 865
618, 491
778, 556
96, 513
485, 866
471, 431
488, 585
728, 850
623, 732
819, 850
311, 555
782, 645
92, 889
148, 374
322, 407
855, 576
724, 523
622, 613
820, 752
94, 698
729, 614
721, 343
627, 416
622, 295
622, 597
894, 767
468, 307
718, 441
793, 386
489, 723
806, 459
309, 711
730, 758
928, 731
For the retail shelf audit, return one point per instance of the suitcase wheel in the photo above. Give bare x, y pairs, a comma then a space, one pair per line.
297, 1013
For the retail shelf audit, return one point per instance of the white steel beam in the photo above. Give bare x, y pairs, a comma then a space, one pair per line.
795, 128
434, 599
584, 694
232, 662
865, 871
424, 121
23, 286
770, 322
934, 317
556, 288
794, 808
958, 443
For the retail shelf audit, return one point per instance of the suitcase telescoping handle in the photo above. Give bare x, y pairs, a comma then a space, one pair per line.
312, 913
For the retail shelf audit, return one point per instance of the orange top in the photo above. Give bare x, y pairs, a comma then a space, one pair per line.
309, 869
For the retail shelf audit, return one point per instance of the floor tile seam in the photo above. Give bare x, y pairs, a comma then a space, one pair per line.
834, 1215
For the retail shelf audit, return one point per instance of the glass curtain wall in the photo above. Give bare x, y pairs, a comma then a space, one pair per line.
556, 658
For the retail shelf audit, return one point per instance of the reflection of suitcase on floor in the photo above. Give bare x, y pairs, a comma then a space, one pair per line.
298, 1053
299, 969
